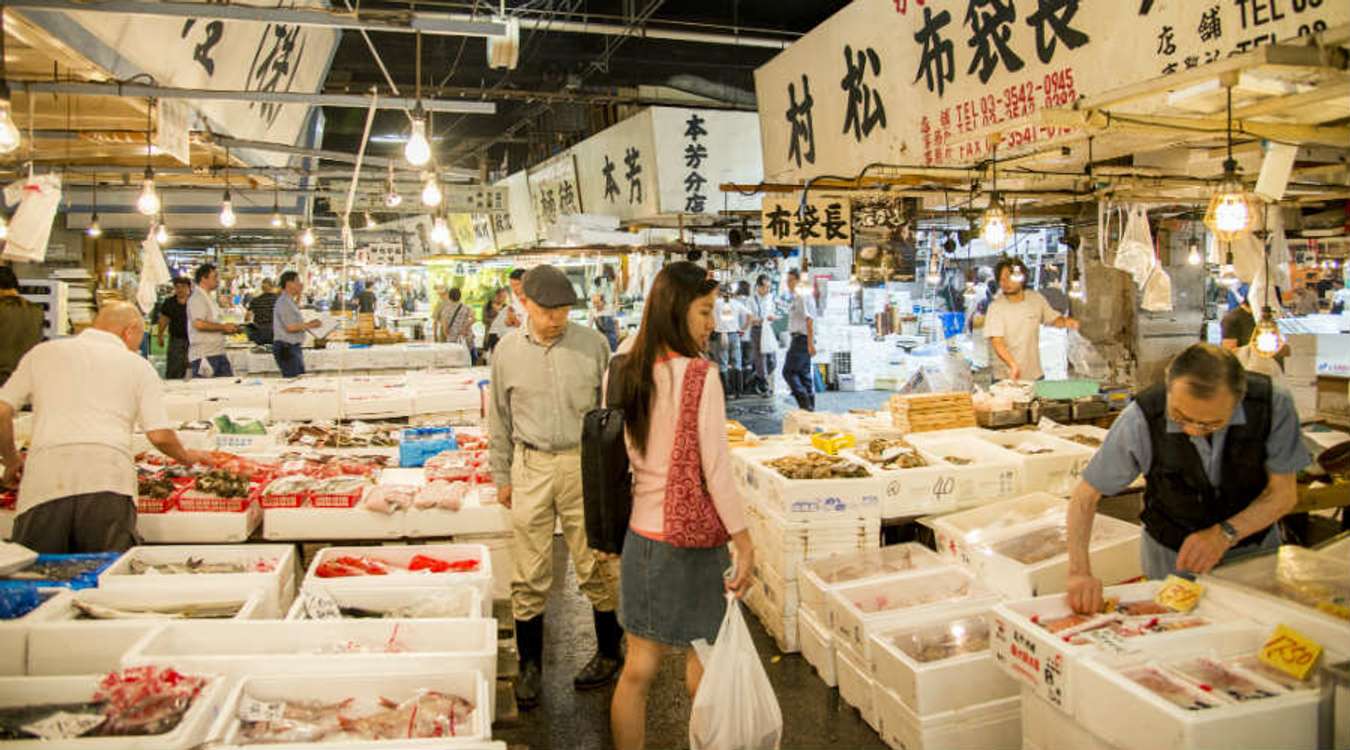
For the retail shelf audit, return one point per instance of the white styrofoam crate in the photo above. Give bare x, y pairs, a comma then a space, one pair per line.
65, 646
917, 595
779, 595
306, 400
503, 561
1114, 551
473, 517
938, 686
192, 729
1049, 665
956, 534
992, 473
460, 602
1250, 586
988, 726
780, 626
278, 583
360, 403
857, 687
817, 577
1045, 728
786, 544
917, 491
1056, 472
401, 555
182, 407
14, 633
811, 499
261, 363
179, 527
817, 647
367, 690
323, 524
1116, 707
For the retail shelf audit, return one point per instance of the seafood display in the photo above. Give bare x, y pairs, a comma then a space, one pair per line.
354, 435
347, 566
917, 598
1214, 676
444, 495
1170, 689
895, 559
816, 466
1034, 450
1300, 575
458, 466
76, 570
1078, 629
198, 566
140, 701
156, 487
1084, 440
892, 454
223, 483
389, 498
958, 461
428, 715
192, 611
1252, 663
19, 601
1044, 543
969, 635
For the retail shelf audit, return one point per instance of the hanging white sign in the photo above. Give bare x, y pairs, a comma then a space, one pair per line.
171, 133
516, 226
701, 149
617, 169
554, 191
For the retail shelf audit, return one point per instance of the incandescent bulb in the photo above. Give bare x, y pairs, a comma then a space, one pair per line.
440, 233
1230, 214
276, 219
94, 229
370, 221
148, 201
161, 232
995, 230
418, 149
227, 217
307, 237
1267, 340
9, 134
1193, 257
392, 199
431, 193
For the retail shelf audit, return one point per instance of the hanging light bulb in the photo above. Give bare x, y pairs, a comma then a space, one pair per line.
95, 229
4, 228
1267, 339
307, 237
1193, 257
1231, 207
431, 192
277, 221
370, 221
418, 149
391, 197
161, 231
440, 233
148, 201
994, 229
227, 217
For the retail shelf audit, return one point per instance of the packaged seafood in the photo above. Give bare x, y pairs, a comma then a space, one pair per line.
138, 701
1170, 689
817, 466
859, 610
1048, 542
1252, 664
968, 635
359, 565
1212, 675
442, 494
388, 498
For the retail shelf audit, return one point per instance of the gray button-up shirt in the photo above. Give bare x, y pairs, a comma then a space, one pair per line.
286, 313
540, 394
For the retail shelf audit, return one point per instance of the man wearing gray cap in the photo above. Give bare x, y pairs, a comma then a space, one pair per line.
546, 375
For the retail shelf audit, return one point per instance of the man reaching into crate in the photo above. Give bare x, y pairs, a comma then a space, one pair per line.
1220, 449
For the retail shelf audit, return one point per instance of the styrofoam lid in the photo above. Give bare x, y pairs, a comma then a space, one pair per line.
15, 557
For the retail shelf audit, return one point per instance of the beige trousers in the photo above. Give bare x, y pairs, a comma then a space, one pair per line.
546, 487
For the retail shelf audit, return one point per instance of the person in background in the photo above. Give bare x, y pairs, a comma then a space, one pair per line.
258, 319
729, 320
765, 343
78, 489
1340, 299
801, 327
173, 316
206, 333
602, 311
20, 323
1052, 289
494, 319
545, 377
1220, 449
674, 595
1013, 324
457, 323
518, 310
1305, 301
409, 300
743, 298
1325, 285
442, 299
366, 298
289, 327
1239, 324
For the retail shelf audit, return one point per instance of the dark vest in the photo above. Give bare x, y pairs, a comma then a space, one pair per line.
1179, 498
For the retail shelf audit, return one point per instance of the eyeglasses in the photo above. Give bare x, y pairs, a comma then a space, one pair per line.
1177, 417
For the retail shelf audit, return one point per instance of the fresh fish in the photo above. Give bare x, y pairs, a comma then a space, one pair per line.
13, 719
430, 714
193, 611
198, 566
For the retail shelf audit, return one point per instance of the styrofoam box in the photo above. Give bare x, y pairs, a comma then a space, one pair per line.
388, 357
1238, 587
466, 602
785, 544
1065, 431
321, 647
857, 687
182, 407
916, 491
262, 362
401, 555
957, 534
194, 728
503, 563
992, 474
1056, 472
943, 588
305, 401
817, 577
1117, 708
780, 595
988, 726
473, 517
780, 626
817, 645
743, 457
1046, 663
1045, 728
65, 645
939, 686
278, 585
176, 527
14, 633
1114, 551
368, 690
310, 523
810, 499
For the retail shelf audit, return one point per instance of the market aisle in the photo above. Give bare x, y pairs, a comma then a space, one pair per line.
813, 715
764, 416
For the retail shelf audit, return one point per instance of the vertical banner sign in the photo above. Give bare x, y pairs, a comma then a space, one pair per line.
554, 191
618, 169
907, 81
823, 220
171, 134
516, 227
473, 233
701, 149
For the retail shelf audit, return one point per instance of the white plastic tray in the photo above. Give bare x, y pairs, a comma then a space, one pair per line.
933, 687
278, 584
466, 600
401, 555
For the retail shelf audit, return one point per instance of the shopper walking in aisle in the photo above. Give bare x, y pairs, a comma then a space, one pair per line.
20, 323
442, 299
744, 299
494, 320
457, 323
1013, 324
762, 336
1220, 449
289, 327
206, 334
685, 503
518, 310
730, 319
545, 377
802, 328
602, 313
78, 488
258, 321
173, 317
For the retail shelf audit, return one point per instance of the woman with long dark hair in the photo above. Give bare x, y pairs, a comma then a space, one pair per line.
685, 504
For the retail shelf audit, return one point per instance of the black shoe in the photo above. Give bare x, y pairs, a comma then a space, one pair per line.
599, 672
529, 685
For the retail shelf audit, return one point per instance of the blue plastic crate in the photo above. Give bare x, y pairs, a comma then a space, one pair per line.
19, 601
85, 580
417, 444
953, 323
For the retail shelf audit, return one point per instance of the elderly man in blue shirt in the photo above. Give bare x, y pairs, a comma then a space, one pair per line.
1220, 449
289, 327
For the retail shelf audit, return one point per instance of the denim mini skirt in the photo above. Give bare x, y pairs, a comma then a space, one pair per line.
671, 595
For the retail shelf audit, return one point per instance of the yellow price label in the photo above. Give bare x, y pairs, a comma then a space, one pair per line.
1335, 610
1290, 652
833, 442
1179, 594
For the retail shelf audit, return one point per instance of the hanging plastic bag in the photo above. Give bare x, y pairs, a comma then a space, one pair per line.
1084, 359
1157, 291
1134, 255
735, 707
1249, 257
31, 225
1279, 251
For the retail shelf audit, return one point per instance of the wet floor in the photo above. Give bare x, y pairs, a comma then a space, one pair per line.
764, 416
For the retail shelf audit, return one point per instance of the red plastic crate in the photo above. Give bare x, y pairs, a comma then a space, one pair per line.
292, 500
348, 500
211, 504
156, 504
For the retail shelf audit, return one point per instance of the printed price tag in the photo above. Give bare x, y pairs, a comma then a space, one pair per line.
252, 709
1112, 641
1291, 652
63, 725
1179, 594
318, 605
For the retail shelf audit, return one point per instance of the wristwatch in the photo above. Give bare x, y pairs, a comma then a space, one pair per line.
1229, 533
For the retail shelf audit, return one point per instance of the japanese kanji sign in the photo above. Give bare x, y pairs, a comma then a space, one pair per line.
927, 81
473, 233
823, 220
701, 149
554, 191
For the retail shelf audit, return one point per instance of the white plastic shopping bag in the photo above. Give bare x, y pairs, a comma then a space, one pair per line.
1134, 254
735, 708
1157, 292
31, 225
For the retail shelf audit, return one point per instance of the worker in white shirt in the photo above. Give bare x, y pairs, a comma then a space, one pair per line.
763, 314
1013, 324
729, 318
78, 489
802, 327
206, 332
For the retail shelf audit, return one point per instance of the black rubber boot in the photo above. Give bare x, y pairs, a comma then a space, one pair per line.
605, 666
530, 644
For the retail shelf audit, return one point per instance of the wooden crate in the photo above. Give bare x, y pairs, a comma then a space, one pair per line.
926, 412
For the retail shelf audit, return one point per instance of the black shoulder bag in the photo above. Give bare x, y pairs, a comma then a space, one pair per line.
606, 480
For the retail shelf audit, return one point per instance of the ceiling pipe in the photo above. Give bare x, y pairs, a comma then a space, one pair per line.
265, 175
721, 92
404, 22
354, 101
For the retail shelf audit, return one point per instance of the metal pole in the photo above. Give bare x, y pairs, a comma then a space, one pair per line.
281, 148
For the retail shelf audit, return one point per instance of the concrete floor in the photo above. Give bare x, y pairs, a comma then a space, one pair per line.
764, 416
813, 714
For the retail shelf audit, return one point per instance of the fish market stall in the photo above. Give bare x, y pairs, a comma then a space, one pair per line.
217, 570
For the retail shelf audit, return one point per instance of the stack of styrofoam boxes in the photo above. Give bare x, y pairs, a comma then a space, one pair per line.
272, 568
54, 299
400, 556
817, 578
1300, 373
1046, 658
1049, 464
1019, 547
860, 610
239, 359
307, 400
986, 472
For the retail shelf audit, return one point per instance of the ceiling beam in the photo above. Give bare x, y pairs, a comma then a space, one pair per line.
338, 156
